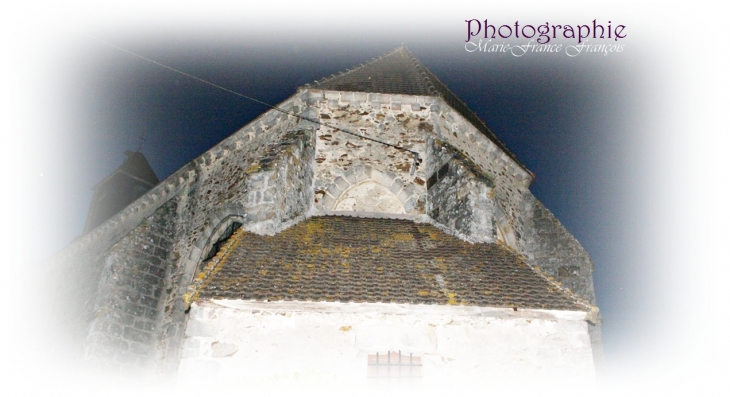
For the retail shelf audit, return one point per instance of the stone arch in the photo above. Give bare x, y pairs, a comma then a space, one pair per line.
360, 179
224, 222
369, 196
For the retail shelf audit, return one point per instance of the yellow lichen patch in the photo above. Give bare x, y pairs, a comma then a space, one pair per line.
440, 263
187, 298
253, 168
314, 226
310, 266
424, 292
345, 265
343, 251
376, 249
380, 268
487, 292
263, 272
345, 328
433, 233
402, 236
452, 298
295, 277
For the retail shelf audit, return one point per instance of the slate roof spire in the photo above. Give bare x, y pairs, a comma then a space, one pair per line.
124, 185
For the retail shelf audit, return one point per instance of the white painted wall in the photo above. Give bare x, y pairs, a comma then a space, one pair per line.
307, 346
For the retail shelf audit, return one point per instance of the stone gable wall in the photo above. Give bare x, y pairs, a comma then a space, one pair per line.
547, 244
410, 122
343, 160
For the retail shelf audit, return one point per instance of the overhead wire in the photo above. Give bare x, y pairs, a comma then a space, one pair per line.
416, 158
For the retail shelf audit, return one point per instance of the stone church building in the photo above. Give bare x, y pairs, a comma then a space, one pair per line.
368, 230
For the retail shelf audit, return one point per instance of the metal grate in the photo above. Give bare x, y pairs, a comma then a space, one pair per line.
394, 365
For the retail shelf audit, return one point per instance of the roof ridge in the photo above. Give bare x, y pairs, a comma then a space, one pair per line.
455, 97
348, 71
593, 310
424, 72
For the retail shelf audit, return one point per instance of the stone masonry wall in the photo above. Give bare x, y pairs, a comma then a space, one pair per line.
279, 185
550, 247
90, 273
269, 188
510, 180
125, 324
407, 121
344, 160
461, 200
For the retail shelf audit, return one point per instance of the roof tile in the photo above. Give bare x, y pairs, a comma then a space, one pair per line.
348, 259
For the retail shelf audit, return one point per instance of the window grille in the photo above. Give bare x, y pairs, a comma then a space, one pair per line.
394, 365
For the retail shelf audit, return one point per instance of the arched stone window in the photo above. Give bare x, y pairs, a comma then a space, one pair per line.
222, 234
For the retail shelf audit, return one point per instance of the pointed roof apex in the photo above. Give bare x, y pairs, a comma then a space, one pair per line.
135, 166
399, 72
396, 72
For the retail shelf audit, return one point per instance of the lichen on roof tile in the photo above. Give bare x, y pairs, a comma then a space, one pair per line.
348, 259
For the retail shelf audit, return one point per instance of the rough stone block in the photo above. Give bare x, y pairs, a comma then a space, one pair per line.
191, 348
199, 328
361, 174
383, 178
135, 335
350, 176
334, 190
406, 193
396, 186
327, 202
222, 349
342, 183
140, 349
410, 204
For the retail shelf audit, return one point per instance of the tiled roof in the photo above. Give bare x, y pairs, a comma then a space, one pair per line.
399, 72
349, 259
